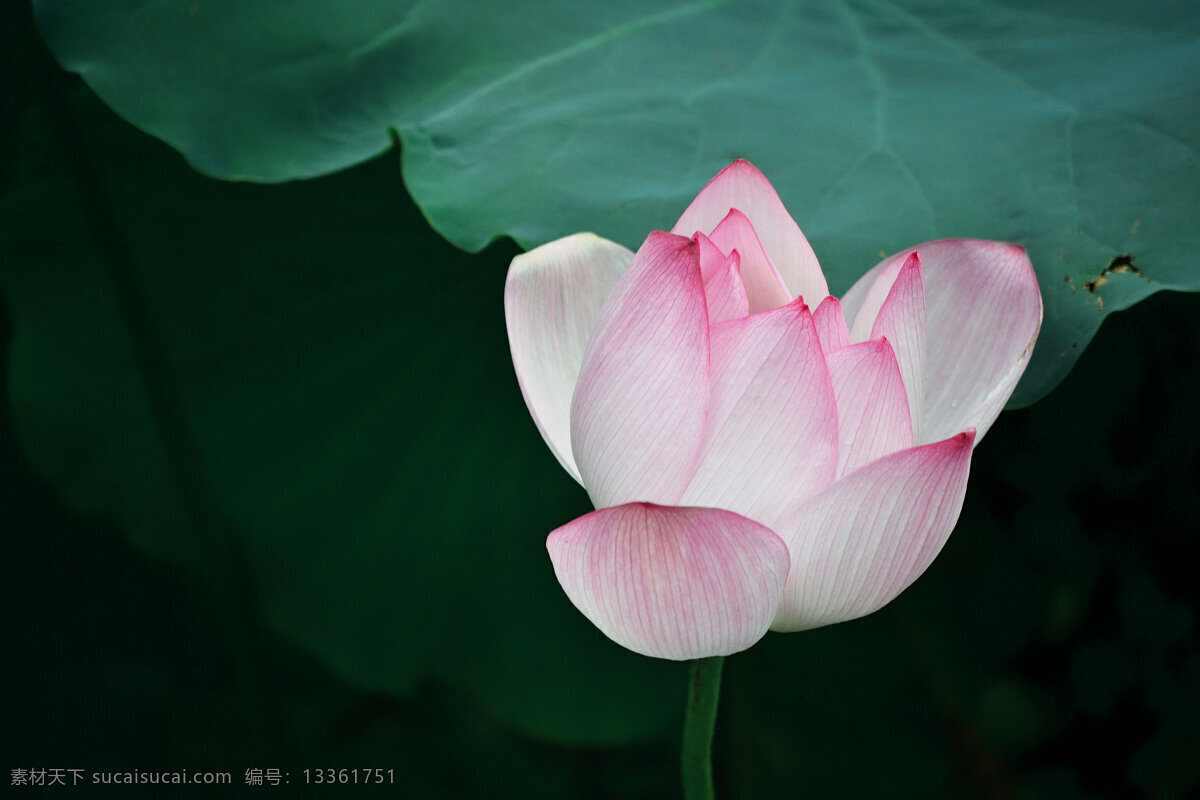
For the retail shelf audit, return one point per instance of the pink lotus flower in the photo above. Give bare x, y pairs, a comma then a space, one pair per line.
760, 455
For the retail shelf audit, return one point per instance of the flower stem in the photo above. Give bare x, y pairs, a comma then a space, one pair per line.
704, 690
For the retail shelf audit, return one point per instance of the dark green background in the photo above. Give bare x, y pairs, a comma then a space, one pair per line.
213, 392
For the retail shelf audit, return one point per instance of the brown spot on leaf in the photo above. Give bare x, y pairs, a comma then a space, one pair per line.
1122, 262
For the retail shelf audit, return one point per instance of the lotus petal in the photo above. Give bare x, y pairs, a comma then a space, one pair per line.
742, 186
831, 325
983, 312
772, 428
764, 287
552, 298
873, 416
638, 414
863, 540
672, 582
901, 319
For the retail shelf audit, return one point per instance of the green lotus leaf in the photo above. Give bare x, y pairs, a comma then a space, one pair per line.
1070, 129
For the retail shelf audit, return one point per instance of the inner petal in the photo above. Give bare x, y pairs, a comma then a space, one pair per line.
764, 287
901, 321
772, 423
831, 325
873, 414
723, 288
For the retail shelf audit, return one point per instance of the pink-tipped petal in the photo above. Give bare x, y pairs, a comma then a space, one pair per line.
742, 186
860, 543
552, 298
722, 276
639, 409
983, 313
873, 415
862, 303
711, 257
764, 287
772, 431
672, 582
901, 320
831, 325
725, 292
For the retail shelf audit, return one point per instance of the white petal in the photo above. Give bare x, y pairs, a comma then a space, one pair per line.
552, 298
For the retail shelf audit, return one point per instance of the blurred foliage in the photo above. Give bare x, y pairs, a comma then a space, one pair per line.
306, 394
271, 498
883, 123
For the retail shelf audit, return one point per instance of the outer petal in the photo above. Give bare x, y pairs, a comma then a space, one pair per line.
901, 319
972, 369
860, 543
764, 287
672, 582
831, 325
638, 414
742, 186
552, 298
873, 417
772, 432
983, 310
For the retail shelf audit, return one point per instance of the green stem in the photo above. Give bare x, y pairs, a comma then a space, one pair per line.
704, 690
